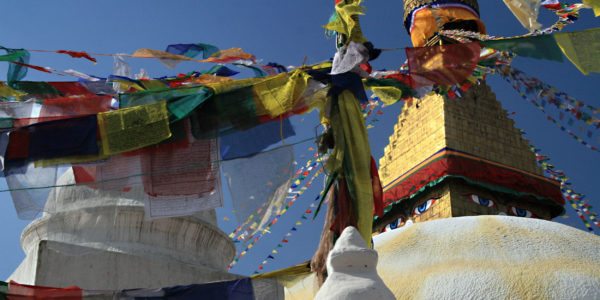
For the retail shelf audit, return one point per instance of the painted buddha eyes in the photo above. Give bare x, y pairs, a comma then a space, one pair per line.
521, 212
423, 207
482, 201
393, 225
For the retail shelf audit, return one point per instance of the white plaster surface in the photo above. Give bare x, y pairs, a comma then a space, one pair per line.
101, 240
485, 257
352, 271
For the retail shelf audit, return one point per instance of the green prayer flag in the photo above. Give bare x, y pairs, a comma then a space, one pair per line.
582, 49
15, 72
3, 290
37, 88
180, 108
157, 95
539, 46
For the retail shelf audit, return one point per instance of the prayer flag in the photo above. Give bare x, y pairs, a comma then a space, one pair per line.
582, 48
77, 54
30, 187
595, 5
181, 171
133, 128
526, 11
193, 50
23, 291
538, 46
69, 137
168, 59
250, 142
229, 55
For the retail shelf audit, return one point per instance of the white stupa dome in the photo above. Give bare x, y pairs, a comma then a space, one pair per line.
485, 257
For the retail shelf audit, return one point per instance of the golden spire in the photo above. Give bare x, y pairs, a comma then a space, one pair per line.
410, 5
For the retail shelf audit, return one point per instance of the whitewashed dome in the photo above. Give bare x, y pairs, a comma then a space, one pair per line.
484, 257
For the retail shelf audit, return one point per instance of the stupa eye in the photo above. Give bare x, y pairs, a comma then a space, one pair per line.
521, 212
423, 207
482, 201
393, 225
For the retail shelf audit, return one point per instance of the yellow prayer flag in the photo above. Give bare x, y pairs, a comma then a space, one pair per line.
279, 94
388, 94
8, 92
581, 48
150, 53
346, 23
595, 5
133, 128
229, 55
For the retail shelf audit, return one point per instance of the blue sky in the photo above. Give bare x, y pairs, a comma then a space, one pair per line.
287, 32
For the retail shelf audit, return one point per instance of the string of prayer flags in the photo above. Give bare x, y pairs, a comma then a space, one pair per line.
444, 64
540, 95
582, 48
133, 128
567, 14
576, 200
255, 180
259, 234
285, 239
299, 176
526, 11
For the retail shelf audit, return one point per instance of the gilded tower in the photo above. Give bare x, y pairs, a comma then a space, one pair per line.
461, 157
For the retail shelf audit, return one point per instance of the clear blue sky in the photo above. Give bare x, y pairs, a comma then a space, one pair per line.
280, 31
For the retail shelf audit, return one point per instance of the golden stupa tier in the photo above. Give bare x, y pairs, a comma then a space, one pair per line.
453, 150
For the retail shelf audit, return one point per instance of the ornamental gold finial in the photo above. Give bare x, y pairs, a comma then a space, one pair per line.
411, 5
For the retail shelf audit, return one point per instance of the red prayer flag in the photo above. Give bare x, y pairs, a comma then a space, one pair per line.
30, 292
77, 54
18, 144
70, 88
443, 65
41, 69
377, 190
68, 107
173, 170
